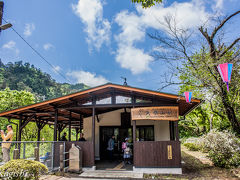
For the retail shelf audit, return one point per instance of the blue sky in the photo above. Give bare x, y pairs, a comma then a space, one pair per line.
98, 41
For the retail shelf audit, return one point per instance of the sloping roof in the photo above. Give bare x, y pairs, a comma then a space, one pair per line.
49, 106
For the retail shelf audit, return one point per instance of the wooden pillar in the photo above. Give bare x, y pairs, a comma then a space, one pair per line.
134, 139
59, 134
93, 132
20, 129
19, 135
81, 123
39, 134
36, 154
55, 125
134, 131
77, 131
176, 131
70, 126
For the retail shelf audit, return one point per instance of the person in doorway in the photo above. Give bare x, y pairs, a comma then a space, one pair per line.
110, 147
6, 146
126, 151
64, 137
82, 137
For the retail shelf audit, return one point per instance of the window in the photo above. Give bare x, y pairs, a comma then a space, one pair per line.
123, 99
143, 100
87, 103
104, 101
145, 133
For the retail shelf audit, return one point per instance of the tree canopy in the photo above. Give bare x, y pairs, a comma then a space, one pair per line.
195, 69
19, 76
147, 3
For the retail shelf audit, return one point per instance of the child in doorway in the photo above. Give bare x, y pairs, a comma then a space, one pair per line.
126, 151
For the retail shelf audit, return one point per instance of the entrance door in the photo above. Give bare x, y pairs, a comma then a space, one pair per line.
120, 134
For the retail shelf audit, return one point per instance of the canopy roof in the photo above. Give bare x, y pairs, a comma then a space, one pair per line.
104, 98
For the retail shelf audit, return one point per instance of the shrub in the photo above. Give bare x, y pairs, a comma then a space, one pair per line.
22, 169
223, 148
194, 144
191, 146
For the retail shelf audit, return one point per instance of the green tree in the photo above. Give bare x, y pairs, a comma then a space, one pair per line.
147, 3
197, 70
27, 77
11, 99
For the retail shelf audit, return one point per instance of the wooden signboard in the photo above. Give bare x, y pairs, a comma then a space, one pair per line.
169, 113
169, 147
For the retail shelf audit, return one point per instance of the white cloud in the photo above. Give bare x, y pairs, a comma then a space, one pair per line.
48, 46
29, 28
56, 69
134, 25
187, 14
133, 59
218, 5
97, 28
88, 78
9, 45
128, 56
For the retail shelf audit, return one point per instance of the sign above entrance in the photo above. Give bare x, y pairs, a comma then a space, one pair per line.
169, 113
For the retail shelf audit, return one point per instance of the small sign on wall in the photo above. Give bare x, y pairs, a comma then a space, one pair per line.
169, 113
169, 148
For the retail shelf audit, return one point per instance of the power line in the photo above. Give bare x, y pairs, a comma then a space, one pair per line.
39, 54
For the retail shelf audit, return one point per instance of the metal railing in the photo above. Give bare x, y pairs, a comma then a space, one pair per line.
47, 152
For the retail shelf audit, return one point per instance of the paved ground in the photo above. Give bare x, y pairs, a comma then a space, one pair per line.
113, 165
112, 174
68, 178
105, 170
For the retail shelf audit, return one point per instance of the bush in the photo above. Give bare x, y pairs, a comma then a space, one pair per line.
191, 146
22, 169
223, 148
194, 144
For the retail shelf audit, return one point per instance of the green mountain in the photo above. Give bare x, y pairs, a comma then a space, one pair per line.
19, 76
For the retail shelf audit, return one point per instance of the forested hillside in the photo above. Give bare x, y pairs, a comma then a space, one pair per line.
24, 84
19, 76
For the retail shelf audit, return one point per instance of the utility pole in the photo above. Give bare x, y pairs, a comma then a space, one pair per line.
5, 26
1, 12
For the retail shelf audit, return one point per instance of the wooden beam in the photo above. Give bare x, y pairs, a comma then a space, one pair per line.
119, 105
134, 138
55, 125
93, 132
134, 130
81, 123
26, 121
69, 126
40, 124
37, 113
177, 131
77, 132
20, 129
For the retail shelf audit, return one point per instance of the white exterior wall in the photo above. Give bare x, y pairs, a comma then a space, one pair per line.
161, 128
